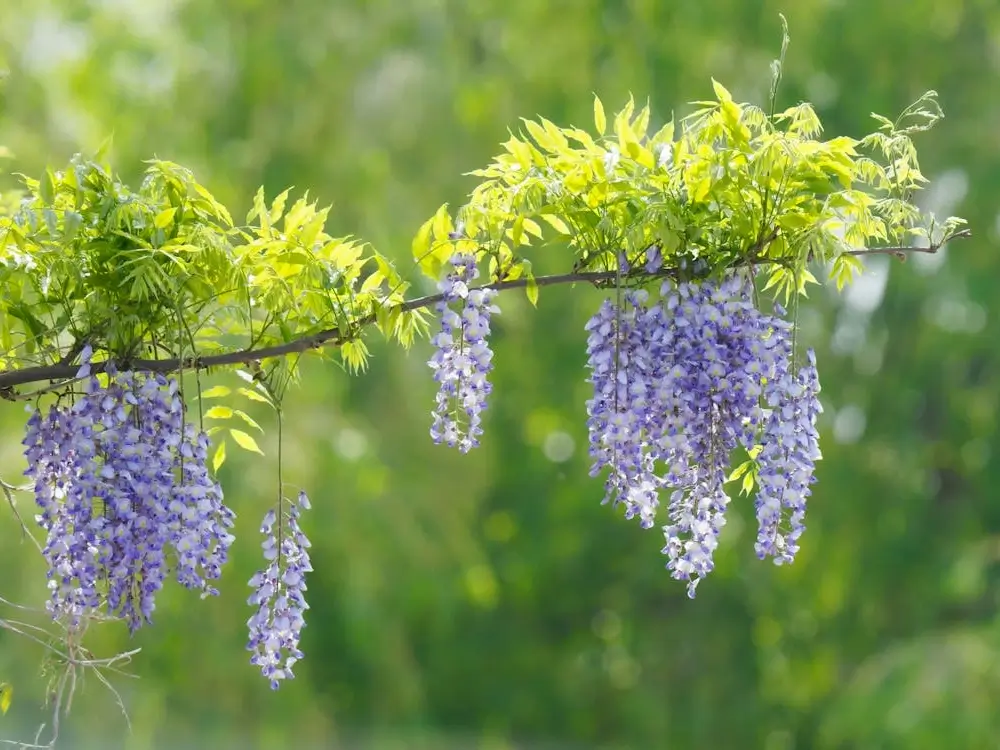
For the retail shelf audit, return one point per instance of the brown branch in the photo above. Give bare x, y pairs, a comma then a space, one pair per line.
66, 373
63, 374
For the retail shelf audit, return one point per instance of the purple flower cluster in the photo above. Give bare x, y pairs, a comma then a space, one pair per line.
678, 385
125, 498
790, 448
279, 594
462, 359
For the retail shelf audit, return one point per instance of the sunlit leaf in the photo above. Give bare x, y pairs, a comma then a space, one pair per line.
245, 441
219, 457
219, 412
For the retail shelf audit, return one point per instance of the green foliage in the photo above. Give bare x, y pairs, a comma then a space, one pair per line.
163, 271
733, 186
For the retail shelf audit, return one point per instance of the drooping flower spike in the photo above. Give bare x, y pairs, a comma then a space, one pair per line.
678, 386
462, 359
125, 498
279, 594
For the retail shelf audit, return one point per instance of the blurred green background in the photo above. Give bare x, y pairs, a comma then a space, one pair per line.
489, 600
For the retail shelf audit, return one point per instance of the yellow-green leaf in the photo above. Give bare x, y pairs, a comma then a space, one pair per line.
517, 231
532, 228
600, 120
216, 391
422, 241
556, 223
219, 412
278, 206
245, 441
441, 224
721, 92
665, 134
740, 470
254, 395
539, 135
248, 419
532, 290
219, 457
6, 695
531, 287
165, 217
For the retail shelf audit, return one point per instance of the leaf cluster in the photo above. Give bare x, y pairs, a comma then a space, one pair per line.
164, 272
727, 185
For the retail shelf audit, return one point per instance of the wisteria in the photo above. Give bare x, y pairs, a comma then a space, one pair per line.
125, 498
687, 378
681, 382
462, 358
279, 594
678, 386
790, 448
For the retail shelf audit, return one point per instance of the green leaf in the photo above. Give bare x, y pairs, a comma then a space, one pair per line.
219, 412
219, 457
245, 441
600, 119
216, 391
6, 695
422, 241
278, 207
517, 231
248, 419
721, 92
556, 223
165, 218
47, 187
531, 288
740, 470
254, 395
355, 355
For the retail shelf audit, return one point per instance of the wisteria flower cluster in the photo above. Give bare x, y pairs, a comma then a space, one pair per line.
462, 359
679, 384
125, 498
279, 595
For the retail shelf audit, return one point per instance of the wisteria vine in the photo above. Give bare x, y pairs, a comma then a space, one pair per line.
111, 295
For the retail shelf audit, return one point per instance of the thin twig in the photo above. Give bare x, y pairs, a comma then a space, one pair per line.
8, 491
901, 252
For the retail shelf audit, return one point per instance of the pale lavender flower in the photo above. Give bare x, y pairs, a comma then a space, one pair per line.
462, 359
279, 594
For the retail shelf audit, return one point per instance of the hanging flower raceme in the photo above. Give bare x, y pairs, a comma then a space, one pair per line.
462, 360
122, 487
678, 386
621, 351
279, 593
790, 449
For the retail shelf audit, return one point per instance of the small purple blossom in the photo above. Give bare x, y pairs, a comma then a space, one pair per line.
462, 360
279, 594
